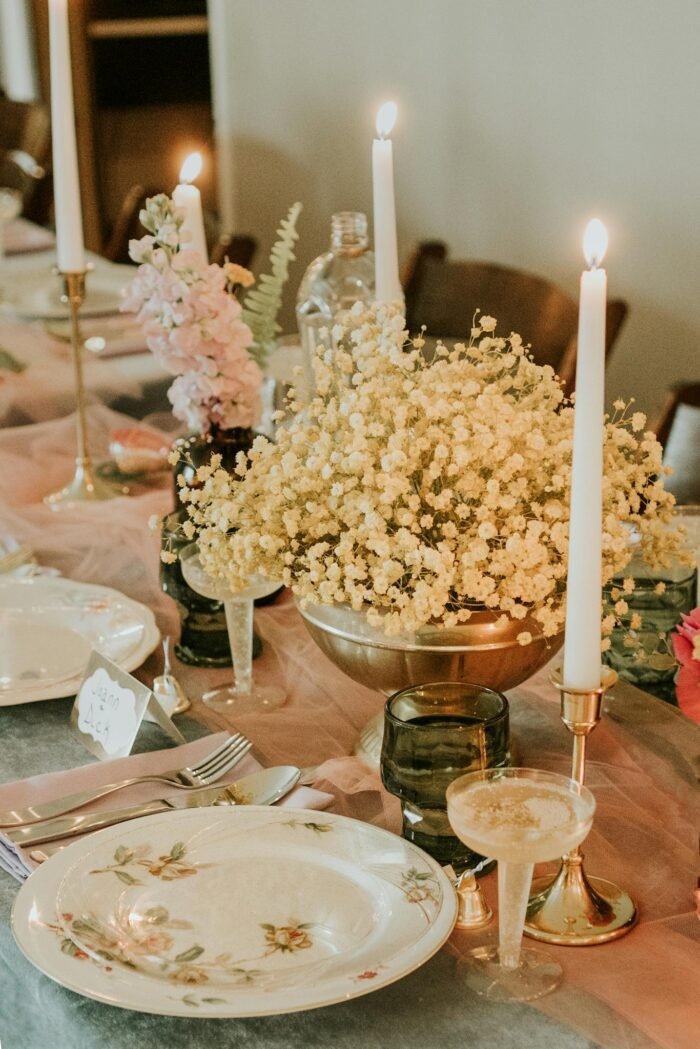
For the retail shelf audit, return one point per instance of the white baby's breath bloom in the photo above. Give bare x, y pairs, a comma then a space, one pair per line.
416, 490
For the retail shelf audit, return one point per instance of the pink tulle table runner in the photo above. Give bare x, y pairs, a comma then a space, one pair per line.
639, 992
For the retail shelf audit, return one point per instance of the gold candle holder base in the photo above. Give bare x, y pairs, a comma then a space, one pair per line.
573, 910
85, 485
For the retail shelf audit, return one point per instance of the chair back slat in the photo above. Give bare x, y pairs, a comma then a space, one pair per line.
443, 294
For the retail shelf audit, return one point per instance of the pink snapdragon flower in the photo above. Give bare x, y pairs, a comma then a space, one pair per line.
686, 645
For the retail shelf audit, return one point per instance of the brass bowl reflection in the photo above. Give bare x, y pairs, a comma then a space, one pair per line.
482, 651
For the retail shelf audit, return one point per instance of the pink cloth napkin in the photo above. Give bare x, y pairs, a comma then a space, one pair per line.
17, 861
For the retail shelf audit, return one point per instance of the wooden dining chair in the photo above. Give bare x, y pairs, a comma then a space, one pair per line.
443, 294
25, 153
234, 247
678, 430
127, 225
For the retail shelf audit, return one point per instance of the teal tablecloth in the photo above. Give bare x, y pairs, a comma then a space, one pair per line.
426, 1009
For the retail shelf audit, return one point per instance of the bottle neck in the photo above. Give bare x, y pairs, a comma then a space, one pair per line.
349, 234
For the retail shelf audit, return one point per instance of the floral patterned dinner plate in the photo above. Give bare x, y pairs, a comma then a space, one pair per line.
123, 630
234, 912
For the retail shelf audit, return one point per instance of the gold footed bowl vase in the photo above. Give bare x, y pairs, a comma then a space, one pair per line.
482, 651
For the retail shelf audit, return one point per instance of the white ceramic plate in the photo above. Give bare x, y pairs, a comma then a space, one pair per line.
35, 294
123, 630
234, 912
29, 662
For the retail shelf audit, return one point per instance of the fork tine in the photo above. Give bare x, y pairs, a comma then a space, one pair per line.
228, 742
227, 761
232, 760
232, 748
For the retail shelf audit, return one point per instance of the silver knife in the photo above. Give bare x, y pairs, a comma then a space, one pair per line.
260, 788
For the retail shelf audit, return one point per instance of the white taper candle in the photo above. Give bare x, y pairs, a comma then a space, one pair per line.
584, 583
188, 197
66, 183
386, 258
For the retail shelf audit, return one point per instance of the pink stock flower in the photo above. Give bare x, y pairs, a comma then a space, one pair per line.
193, 326
686, 645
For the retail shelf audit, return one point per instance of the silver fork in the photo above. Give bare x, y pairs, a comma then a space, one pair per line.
208, 771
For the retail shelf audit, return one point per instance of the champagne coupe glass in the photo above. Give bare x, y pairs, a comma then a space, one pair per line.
245, 696
519, 817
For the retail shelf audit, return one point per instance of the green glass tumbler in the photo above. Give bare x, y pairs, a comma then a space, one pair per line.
644, 655
433, 734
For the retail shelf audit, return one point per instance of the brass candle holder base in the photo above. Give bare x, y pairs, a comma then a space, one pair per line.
85, 485
574, 910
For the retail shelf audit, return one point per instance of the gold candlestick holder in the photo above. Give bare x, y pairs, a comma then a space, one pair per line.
574, 910
86, 486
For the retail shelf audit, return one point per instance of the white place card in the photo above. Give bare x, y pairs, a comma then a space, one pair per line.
109, 709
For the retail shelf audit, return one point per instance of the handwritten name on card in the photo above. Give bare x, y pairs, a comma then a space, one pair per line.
109, 708
107, 712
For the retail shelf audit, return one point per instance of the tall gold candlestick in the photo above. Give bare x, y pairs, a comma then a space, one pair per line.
85, 486
574, 910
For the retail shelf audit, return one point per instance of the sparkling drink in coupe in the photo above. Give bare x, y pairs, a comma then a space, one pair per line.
519, 817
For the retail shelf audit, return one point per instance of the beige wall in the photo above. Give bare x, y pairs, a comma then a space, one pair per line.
519, 120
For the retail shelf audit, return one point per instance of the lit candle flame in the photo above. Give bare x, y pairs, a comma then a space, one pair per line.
191, 168
595, 243
386, 118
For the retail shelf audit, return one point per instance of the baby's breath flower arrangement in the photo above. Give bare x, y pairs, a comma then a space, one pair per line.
418, 489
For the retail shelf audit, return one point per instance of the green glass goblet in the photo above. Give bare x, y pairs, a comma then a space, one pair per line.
433, 734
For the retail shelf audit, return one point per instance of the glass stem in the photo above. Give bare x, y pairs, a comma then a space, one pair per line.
514, 881
239, 622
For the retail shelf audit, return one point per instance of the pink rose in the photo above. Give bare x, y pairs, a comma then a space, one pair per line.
686, 645
684, 638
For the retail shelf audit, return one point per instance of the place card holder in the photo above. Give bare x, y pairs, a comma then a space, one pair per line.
109, 708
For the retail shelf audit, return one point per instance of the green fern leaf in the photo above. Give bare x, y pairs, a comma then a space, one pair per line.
262, 304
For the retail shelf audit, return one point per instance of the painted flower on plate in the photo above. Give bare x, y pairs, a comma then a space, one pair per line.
287, 938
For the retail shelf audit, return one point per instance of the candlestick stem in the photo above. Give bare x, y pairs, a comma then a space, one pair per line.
574, 910
578, 759
85, 485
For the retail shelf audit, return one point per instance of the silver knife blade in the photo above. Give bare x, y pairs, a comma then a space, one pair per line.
260, 788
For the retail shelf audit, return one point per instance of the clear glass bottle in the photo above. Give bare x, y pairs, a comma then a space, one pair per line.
334, 282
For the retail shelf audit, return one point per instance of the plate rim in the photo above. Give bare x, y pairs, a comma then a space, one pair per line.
58, 865
55, 626
69, 686
26, 282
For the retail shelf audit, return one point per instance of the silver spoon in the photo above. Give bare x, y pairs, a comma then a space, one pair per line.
167, 689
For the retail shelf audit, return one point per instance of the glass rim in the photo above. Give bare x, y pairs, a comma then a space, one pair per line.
616, 581
493, 719
516, 772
